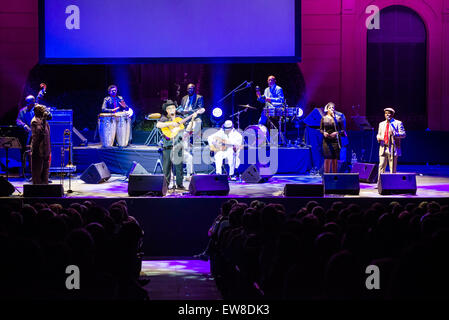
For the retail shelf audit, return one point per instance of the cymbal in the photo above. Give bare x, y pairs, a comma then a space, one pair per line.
153, 116
246, 106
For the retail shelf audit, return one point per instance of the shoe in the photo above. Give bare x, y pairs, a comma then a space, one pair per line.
181, 188
233, 178
201, 256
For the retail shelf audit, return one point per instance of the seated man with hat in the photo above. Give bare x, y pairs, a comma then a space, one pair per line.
226, 143
390, 133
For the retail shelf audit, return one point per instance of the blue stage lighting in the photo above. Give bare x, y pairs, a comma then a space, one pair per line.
217, 116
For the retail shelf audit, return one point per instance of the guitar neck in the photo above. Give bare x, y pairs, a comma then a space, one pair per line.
186, 119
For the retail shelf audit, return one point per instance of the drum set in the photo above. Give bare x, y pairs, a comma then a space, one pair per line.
114, 126
277, 118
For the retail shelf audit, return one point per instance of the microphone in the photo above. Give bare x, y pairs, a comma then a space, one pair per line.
249, 84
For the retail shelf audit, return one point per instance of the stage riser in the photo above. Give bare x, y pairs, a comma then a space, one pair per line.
290, 160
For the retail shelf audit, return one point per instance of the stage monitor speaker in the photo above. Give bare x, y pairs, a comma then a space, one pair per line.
256, 174
303, 190
6, 188
43, 190
136, 168
147, 184
209, 185
397, 183
341, 183
314, 118
96, 173
367, 171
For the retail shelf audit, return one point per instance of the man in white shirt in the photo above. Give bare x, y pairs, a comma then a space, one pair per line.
226, 144
390, 133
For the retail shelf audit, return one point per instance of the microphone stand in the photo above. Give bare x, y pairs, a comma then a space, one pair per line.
233, 92
238, 116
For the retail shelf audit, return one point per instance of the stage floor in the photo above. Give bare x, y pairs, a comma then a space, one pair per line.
432, 182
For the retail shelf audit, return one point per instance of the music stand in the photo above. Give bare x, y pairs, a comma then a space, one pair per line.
9, 143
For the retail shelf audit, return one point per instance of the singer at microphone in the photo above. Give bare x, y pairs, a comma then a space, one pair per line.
389, 136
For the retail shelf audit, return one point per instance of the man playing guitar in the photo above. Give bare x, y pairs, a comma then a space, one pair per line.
226, 144
172, 127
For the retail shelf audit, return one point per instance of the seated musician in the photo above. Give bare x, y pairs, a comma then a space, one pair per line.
273, 97
226, 144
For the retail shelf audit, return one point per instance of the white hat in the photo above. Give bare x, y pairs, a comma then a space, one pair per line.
228, 124
390, 109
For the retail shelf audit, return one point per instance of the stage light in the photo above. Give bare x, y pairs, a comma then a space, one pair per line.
217, 112
217, 116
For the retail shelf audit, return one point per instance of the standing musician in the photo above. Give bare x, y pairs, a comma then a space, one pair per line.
389, 135
40, 145
172, 127
273, 97
226, 143
23, 121
113, 103
332, 128
191, 103
26, 114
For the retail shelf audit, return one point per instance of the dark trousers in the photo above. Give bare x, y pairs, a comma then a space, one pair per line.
167, 164
40, 167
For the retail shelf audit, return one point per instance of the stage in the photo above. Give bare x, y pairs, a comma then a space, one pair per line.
431, 184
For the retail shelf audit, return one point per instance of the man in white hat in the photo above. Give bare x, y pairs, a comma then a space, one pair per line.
226, 143
390, 133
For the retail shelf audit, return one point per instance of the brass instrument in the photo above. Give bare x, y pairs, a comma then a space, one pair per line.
66, 146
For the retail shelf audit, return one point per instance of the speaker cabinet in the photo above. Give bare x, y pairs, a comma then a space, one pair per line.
96, 173
303, 190
341, 183
214, 184
43, 190
313, 119
397, 183
147, 184
136, 168
367, 171
256, 174
6, 188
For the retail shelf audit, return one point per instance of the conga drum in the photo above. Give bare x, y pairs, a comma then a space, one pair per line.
107, 126
123, 129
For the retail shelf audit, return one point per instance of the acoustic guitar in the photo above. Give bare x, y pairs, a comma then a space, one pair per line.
170, 132
220, 144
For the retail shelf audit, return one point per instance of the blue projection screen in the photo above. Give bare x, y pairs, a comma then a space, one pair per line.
108, 31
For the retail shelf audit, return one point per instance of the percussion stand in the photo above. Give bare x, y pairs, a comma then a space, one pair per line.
154, 137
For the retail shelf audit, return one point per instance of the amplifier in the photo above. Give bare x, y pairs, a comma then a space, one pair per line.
62, 115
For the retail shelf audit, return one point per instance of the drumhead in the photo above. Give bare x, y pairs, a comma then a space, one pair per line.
255, 135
